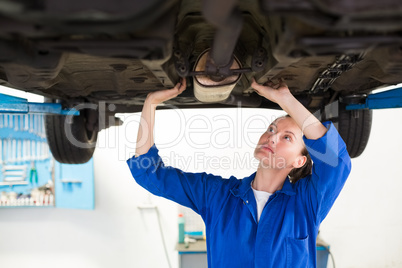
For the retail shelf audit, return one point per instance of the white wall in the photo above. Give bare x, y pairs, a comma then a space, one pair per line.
21, 94
364, 228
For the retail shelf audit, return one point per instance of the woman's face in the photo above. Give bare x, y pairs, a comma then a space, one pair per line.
281, 145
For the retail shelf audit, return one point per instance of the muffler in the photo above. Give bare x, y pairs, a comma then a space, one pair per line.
208, 90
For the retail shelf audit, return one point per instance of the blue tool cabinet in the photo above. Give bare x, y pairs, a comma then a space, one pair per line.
29, 175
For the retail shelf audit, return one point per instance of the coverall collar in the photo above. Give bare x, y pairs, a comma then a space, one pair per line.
245, 185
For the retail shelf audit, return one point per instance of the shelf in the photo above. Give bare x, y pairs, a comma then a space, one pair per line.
11, 183
70, 181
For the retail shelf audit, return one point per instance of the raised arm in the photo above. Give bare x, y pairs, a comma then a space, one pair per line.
145, 137
332, 163
280, 94
193, 190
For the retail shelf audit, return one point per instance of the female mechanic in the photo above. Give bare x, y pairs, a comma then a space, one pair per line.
272, 217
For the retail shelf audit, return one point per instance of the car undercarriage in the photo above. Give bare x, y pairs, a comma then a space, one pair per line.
75, 52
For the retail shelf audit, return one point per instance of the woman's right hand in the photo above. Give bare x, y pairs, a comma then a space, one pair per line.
280, 94
160, 96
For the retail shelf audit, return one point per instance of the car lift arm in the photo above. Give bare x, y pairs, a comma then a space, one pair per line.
382, 100
11, 104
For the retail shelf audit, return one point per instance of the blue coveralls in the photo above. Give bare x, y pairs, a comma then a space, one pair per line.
286, 234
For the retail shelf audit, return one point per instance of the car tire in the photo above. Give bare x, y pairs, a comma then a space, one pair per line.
69, 139
354, 128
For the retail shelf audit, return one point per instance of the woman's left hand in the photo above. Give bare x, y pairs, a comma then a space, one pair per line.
160, 96
273, 92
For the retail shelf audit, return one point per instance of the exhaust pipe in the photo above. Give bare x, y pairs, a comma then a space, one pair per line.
226, 17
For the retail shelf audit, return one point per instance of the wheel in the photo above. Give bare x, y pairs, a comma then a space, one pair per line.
354, 128
69, 139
